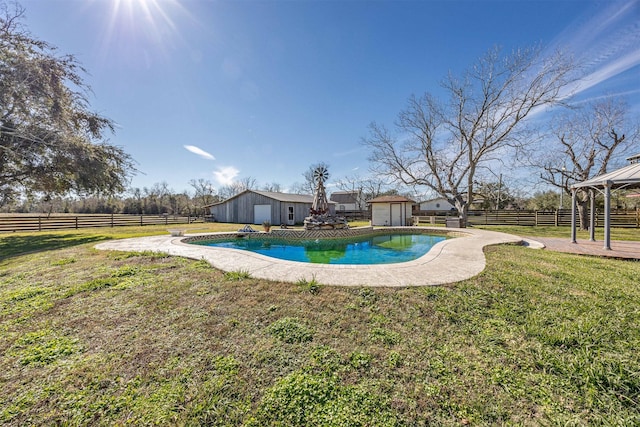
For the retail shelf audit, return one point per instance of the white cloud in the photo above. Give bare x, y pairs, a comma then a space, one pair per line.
349, 152
611, 69
605, 43
226, 175
199, 151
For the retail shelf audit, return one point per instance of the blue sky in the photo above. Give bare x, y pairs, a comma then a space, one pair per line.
223, 90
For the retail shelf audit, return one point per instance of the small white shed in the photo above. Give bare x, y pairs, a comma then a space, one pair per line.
391, 210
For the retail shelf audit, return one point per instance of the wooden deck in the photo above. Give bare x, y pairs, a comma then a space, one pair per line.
619, 248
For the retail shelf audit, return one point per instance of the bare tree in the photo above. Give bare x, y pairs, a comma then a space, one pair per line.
179, 203
273, 187
298, 188
204, 191
494, 195
354, 186
367, 188
237, 187
441, 144
247, 183
586, 142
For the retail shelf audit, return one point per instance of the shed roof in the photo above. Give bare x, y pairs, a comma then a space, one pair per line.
344, 196
286, 197
281, 197
390, 199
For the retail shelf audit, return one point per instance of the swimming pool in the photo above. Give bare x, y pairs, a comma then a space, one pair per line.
367, 249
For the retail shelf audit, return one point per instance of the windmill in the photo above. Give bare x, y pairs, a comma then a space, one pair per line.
320, 204
320, 218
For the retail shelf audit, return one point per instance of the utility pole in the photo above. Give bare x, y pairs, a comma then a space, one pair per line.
499, 188
562, 186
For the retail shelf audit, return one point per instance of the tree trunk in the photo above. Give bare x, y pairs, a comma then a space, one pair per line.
463, 210
583, 217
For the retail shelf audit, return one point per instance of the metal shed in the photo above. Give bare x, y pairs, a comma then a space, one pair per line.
256, 207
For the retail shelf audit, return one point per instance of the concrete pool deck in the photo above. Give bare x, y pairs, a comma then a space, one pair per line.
449, 261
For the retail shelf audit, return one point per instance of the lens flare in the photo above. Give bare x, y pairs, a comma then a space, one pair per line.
141, 31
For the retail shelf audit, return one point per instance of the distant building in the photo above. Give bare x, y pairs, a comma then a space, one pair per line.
256, 207
439, 204
633, 160
391, 210
348, 200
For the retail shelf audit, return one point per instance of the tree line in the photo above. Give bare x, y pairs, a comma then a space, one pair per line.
454, 143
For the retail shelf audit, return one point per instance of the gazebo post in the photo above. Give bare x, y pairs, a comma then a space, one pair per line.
626, 177
607, 215
573, 215
592, 216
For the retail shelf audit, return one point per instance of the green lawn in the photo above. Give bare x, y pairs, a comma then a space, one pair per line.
93, 337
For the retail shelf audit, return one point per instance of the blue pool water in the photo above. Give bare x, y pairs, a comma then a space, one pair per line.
378, 249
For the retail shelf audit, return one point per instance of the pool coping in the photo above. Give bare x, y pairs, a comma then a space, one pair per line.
449, 261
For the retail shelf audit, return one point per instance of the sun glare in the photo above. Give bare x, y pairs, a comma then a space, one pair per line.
136, 27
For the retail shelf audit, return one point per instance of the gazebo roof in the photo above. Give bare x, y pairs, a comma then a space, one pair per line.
628, 177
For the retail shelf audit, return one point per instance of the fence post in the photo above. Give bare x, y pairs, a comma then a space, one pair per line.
557, 217
166, 219
39, 223
111, 219
536, 217
76, 222
141, 220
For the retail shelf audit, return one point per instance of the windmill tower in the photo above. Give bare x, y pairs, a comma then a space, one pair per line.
320, 218
320, 204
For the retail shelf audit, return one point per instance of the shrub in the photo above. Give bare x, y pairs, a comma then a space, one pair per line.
290, 330
236, 276
312, 286
303, 399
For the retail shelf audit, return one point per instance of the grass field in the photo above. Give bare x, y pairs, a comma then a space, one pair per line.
93, 337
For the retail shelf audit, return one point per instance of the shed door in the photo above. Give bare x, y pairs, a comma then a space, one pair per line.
396, 214
261, 213
379, 214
